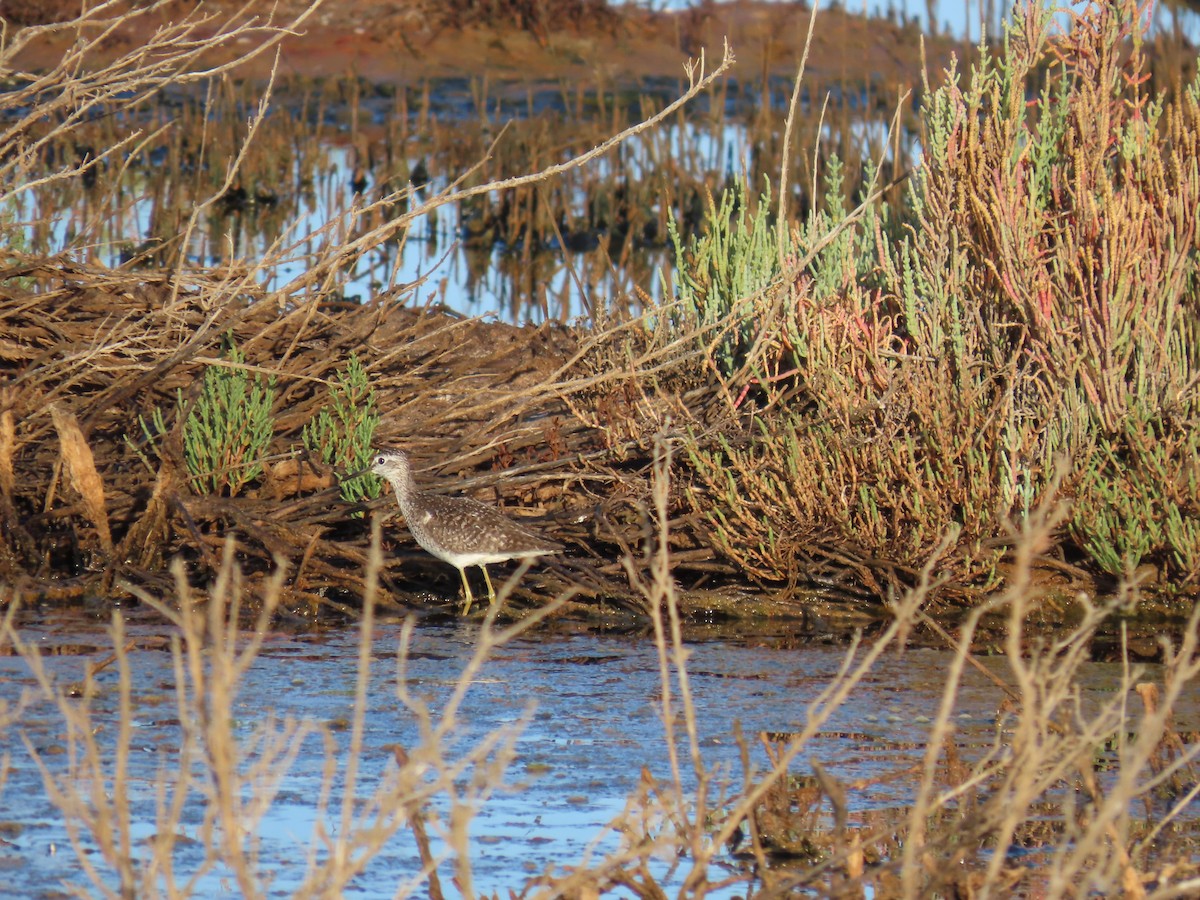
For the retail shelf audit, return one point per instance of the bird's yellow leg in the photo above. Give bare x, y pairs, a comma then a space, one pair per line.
467, 589
491, 590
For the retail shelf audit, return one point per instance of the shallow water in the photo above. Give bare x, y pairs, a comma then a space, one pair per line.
593, 722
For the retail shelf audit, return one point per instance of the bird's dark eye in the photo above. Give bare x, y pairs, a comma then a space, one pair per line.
379, 460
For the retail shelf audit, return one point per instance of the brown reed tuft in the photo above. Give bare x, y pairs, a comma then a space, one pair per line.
8, 446
76, 455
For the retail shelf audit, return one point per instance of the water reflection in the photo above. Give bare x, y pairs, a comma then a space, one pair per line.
595, 237
587, 712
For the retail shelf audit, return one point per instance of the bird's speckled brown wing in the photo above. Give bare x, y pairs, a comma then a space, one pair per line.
461, 525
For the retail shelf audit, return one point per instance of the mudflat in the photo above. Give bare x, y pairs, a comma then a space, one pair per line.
589, 43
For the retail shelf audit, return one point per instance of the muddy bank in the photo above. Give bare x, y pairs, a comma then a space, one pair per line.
556, 424
91, 501
601, 47
553, 422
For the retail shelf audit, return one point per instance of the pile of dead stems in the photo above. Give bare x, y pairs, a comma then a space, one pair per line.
99, 483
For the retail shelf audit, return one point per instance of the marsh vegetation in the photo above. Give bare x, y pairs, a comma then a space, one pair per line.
957, 402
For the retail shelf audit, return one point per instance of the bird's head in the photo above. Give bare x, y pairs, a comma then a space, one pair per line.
391, 464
